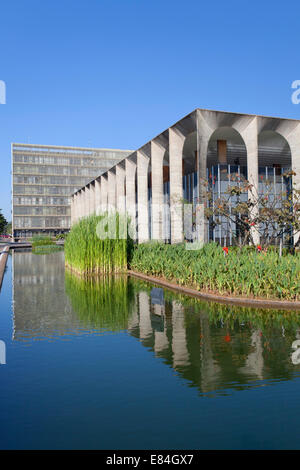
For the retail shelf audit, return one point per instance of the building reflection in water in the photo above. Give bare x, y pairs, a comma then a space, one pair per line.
41, 308
216, 347
212, 347
296, 348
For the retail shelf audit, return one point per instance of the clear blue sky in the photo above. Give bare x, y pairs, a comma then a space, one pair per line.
115, 73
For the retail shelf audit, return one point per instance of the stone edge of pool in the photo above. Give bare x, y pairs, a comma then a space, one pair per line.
4, 250
242, 301
3, 259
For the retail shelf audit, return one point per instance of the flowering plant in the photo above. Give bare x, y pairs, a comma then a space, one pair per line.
251, 214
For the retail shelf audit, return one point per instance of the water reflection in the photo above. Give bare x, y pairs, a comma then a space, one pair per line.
212, 347
105, 303
41, 308
296, 346
216, 346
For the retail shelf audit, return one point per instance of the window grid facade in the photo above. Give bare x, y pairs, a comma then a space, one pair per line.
45, 177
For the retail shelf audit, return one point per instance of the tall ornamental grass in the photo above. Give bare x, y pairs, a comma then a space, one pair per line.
246, 273
88, 253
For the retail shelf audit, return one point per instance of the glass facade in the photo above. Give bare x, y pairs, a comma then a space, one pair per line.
272, 181
45, 177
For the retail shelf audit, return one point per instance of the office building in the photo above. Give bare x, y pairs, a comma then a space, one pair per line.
43, 179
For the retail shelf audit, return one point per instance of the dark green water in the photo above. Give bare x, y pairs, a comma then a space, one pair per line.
117, 365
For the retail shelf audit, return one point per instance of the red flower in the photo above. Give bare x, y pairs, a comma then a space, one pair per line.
225, 249
227, 338
259, 248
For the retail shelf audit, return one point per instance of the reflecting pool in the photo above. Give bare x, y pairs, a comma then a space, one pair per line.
118, 363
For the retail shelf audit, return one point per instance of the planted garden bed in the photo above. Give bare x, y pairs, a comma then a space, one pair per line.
247, 272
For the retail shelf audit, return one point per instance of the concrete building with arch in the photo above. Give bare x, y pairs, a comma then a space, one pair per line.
153, 182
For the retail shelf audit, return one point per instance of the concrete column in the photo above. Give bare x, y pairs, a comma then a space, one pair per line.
83, 197
120, 189
77, 207
157, 158
97, 196
87, 198
80, 212
77, 201
111, 190
73, 208
88, 194
103, 187
203, 136
176, 142
83, 203
142, 190
92, 198
250, 136
130, 171
87, 201
293, 138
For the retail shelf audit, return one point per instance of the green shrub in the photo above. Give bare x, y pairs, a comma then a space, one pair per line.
247, 273
40, 240
46, 249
